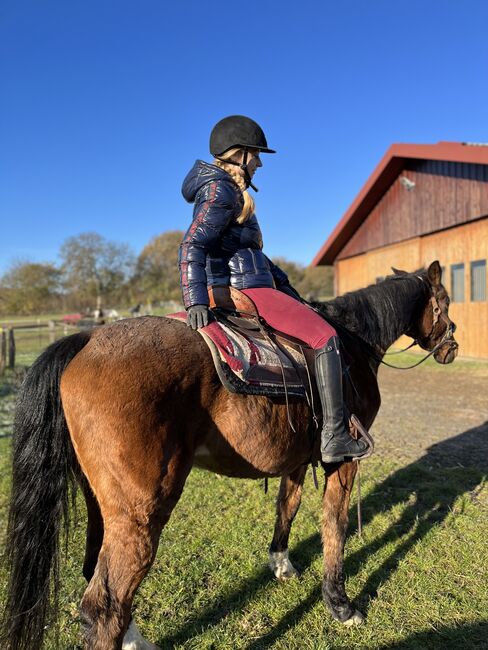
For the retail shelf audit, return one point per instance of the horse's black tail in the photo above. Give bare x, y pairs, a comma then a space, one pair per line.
43, 471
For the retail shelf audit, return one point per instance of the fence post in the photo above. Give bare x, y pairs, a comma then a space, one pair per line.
3, 352
52, 331
11, 348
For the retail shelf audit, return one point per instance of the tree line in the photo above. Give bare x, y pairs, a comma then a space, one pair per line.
94, 271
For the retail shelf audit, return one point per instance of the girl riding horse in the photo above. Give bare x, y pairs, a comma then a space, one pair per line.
223, 246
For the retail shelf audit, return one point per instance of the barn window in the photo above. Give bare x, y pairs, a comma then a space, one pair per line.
457, 282
478, 280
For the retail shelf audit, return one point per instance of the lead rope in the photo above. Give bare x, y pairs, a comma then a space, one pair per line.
358, 465
360, 519
404, 349
447, 338
313, 461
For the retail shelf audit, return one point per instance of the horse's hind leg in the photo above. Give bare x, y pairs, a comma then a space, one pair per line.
125, 557
132, 526
287, 504
94, 531
334, 527
133, 639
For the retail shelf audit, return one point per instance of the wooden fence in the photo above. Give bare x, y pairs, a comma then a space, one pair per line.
30, 336
7, 350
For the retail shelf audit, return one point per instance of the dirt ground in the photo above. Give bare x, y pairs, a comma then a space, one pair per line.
440, 414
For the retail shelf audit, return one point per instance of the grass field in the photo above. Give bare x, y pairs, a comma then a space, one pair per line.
419, 572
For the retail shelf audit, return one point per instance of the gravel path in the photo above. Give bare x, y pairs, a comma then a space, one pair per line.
442, 412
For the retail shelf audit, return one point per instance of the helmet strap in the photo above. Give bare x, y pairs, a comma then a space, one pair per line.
243, 166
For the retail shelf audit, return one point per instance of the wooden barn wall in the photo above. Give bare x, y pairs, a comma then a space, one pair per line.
463, 244
437, 201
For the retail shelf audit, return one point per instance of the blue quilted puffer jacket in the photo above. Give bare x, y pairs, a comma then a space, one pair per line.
216, 249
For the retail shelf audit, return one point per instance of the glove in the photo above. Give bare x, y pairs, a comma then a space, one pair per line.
198, 316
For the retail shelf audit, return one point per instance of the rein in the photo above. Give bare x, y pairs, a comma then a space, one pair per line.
446, 338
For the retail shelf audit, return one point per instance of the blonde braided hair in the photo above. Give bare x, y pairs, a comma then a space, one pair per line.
233, 171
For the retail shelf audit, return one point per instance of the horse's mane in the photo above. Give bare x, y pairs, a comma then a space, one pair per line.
379, 313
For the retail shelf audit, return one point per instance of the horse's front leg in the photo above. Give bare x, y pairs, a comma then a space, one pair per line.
287, 504
337, 495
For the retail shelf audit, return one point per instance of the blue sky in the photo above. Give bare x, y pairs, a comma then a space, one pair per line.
105, 105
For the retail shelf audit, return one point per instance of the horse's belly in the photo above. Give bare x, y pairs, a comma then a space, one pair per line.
253, 458
226, 467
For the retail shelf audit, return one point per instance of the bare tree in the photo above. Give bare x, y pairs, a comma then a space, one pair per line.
157, 276
95, 269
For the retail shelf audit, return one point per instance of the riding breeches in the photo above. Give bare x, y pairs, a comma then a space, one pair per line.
284, 313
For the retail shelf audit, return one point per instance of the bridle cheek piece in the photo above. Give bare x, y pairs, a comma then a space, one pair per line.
436, 316
447, 337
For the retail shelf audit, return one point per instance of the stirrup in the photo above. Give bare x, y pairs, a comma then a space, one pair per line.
357, 430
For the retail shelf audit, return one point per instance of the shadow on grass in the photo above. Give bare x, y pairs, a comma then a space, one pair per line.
307, 550
466, 637
430, 485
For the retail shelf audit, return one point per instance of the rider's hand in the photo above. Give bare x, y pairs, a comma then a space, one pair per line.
198, 316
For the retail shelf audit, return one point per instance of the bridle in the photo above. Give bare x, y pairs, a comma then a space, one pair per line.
447, 337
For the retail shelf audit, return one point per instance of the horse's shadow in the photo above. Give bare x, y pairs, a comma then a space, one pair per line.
429, 486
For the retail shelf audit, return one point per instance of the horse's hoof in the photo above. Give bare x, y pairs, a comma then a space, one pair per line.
280, 565
133, 640
356, 619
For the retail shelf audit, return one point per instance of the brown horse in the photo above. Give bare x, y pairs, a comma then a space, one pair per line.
129, 408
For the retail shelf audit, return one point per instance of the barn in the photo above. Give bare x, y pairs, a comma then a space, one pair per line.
421, 203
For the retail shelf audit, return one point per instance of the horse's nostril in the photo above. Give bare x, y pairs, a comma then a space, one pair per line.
453, 327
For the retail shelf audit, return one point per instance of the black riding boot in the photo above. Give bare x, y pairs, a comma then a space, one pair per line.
336, 442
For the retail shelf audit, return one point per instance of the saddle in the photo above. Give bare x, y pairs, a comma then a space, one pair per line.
251, 357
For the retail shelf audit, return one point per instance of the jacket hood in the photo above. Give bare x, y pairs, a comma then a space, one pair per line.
199, 175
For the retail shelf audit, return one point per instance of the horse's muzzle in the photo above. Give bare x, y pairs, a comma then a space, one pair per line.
447, 352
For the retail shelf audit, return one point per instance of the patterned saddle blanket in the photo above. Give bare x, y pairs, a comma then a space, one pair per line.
250, 357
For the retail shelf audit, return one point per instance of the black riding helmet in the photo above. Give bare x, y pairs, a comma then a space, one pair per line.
238, 131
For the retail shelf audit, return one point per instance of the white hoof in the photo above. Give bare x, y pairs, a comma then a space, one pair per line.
356, 619
280, 565
133, 640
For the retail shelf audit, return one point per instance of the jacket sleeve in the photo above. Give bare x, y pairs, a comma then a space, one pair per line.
215, 207
279, 276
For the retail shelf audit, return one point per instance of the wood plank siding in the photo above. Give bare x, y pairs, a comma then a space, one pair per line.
444, 195
421, 203
460, 245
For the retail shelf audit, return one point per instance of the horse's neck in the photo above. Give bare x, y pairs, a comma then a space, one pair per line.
380, 314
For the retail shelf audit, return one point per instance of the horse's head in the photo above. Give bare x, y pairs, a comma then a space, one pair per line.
434, 329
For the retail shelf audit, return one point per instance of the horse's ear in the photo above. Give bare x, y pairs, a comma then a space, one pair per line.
397, 271
434, 273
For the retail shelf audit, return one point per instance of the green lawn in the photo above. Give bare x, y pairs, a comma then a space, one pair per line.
419, 572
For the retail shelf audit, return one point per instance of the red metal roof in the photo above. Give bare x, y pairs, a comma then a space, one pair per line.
383, 176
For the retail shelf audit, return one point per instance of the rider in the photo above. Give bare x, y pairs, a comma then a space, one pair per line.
223, 245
